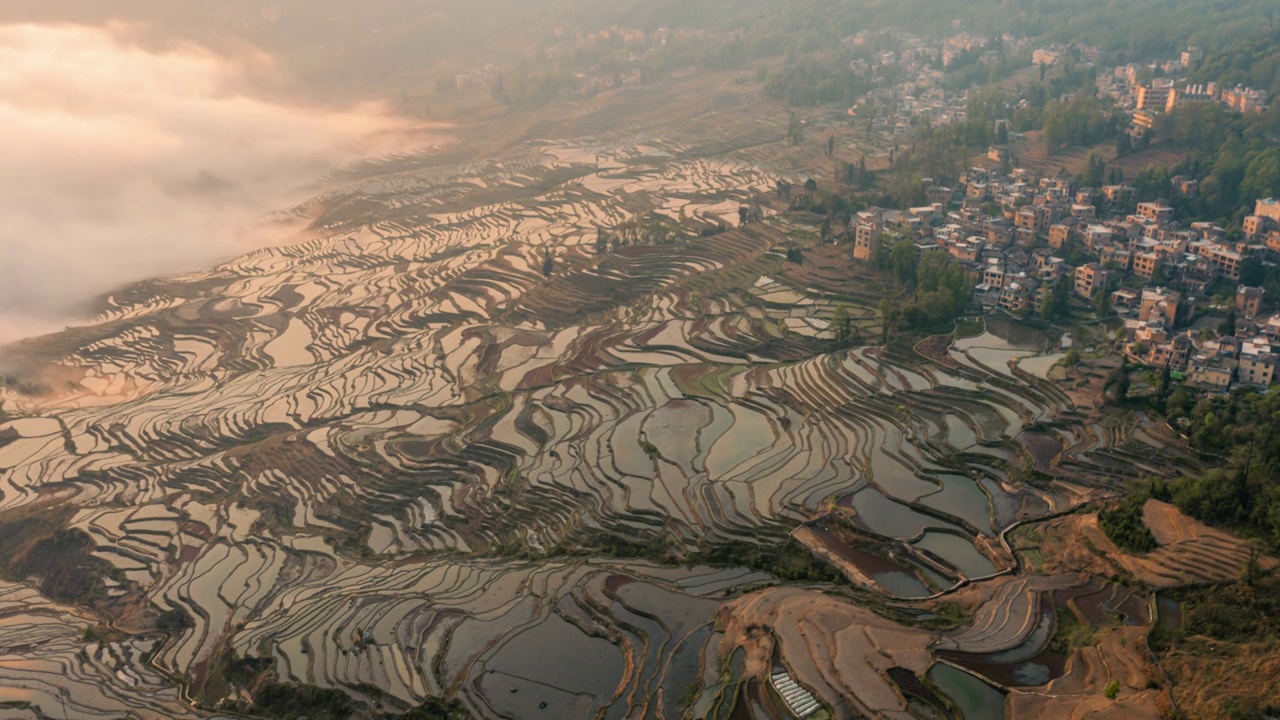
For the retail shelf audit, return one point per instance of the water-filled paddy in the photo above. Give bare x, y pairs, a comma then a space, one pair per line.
883, 516
958, 551
961, 496
976, 699
556, 654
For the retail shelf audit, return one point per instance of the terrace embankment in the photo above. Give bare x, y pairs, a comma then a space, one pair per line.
381, 457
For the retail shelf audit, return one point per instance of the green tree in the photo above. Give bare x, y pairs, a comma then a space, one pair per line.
1262, 176
795, 129
1124, 145
1096, 171
842, 325
1101, 302
904, 262
888, 313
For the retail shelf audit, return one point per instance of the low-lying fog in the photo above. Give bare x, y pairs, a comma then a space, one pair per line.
122, 160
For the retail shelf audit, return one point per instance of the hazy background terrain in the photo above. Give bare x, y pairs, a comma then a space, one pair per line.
123, 161
148, 136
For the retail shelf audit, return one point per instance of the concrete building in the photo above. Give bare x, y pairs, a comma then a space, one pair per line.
1159, 304
1213, 374
1083, 212
1090, 278
1271, 330
1257, 364
1222, 259
937, 194
1118, 195
1125, 299
1245, 100
1157, 97
1145, 264
1174, 353
1248, 301
866, 226
1156, 212
1059, 235
1254, 226
1268, 208
1096, 236
1015, 299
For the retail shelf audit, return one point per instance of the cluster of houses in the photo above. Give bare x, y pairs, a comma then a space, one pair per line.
1010, 232
1246, 355
918, 96
1146, 98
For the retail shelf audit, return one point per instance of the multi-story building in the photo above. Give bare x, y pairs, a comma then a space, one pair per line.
1257, 364
1125, 299
1015, 299
1222, 259
1116, 257
1059, 235
1145, 264
1049, 269
1083, 212
1245, 100
1144, 119
967, 251
1268, 208
1117, 195
1157, 97
1248, 301
1174, 353
1159, 304
1189, 94
1090, 278
866, 226
1271, 330
1025, 219
1212, 373
1096, 236
938, 194
1156, 212
1255, 226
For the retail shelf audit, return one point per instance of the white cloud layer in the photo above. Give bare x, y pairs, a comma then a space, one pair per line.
120, 161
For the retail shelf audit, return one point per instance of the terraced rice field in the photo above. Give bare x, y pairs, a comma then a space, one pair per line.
368, 457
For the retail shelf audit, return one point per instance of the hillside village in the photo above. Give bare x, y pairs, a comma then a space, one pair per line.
1187, 292
1165, 280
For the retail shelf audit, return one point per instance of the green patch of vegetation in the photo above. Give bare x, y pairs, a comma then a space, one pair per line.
936, 281
1238, 612
1070, 633
175, 620
1033, 558
437, 709
1112, 689
282, 701
41, 546
287, 701
788, 561
244, 671
950, 615
1123, 523
1239, 430
968, 327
